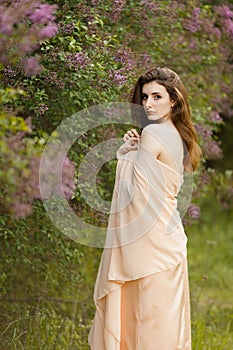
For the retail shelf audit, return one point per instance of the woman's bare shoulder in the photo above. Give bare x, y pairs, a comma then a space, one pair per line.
165, 133
161, 130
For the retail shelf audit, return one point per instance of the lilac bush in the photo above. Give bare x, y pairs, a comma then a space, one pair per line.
23, 25
106, 45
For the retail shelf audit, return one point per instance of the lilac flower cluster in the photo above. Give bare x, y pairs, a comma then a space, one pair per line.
32, 66
117, 7
226, 18
224, 11
26, 182
23, 179
193, 24
66, 28
149, 5
9, 75
43, 14
125, 65
215, 118
48, 31
28, 189
145, 58
41, 109
23, 24
204, 131
95, 3
194, 212
52, 186
77, 60
68, 174
211, 148
203, 179
197, 23
124, 57
117, 77
52, 79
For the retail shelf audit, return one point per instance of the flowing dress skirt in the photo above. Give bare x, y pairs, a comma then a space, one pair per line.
150, 313
141, 292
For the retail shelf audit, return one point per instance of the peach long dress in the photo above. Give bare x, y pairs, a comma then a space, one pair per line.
142, 292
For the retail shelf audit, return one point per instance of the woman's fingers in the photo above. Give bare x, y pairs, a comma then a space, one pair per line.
134, 131
126, 137
130, 145
133, 142
129, 134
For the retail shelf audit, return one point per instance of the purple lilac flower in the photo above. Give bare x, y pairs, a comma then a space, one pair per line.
145, 58
196, 12
117, 7
149, 5
52, 78
124, 57
216, 32
228, 23
52, 186
41, 109
67, 28
204, 179
226, 18
6, 22
194, 211
95, 3
20, 209
204, 131
214, 117
68, 173
32, 66
48, 31
43, 14
193, 24
224, 11
212, 150
117, 77
78, 60
27, 45
9, 74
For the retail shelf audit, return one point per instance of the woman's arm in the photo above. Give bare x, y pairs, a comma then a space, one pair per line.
130, 145
148, 139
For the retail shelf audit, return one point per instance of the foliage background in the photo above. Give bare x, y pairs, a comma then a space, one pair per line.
59, 57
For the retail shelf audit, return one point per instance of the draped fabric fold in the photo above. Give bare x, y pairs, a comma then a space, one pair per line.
145, 248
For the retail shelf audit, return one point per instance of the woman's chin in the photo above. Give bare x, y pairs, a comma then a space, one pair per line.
152, 117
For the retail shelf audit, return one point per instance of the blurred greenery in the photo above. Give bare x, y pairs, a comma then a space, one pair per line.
210, 251
48, 281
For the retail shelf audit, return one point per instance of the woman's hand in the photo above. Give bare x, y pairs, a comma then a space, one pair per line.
129, 134
130, 145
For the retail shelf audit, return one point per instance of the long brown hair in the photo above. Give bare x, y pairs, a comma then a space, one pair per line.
180, 113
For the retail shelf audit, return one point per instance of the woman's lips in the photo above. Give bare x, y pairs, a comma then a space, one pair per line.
150, 112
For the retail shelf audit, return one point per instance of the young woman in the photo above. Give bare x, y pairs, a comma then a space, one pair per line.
141, 292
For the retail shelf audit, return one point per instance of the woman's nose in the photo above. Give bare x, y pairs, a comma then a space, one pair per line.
149, 102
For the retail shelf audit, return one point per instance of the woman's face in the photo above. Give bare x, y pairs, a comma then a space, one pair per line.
156, 100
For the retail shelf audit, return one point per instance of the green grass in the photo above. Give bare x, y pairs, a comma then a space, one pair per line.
65, 327
210, 250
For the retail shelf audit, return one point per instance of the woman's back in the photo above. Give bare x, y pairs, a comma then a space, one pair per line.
165, 143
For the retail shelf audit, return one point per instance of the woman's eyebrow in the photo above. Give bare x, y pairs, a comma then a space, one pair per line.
153, 93
156, 93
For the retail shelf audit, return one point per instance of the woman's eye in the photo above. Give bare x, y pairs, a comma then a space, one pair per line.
144, 97
157, 97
